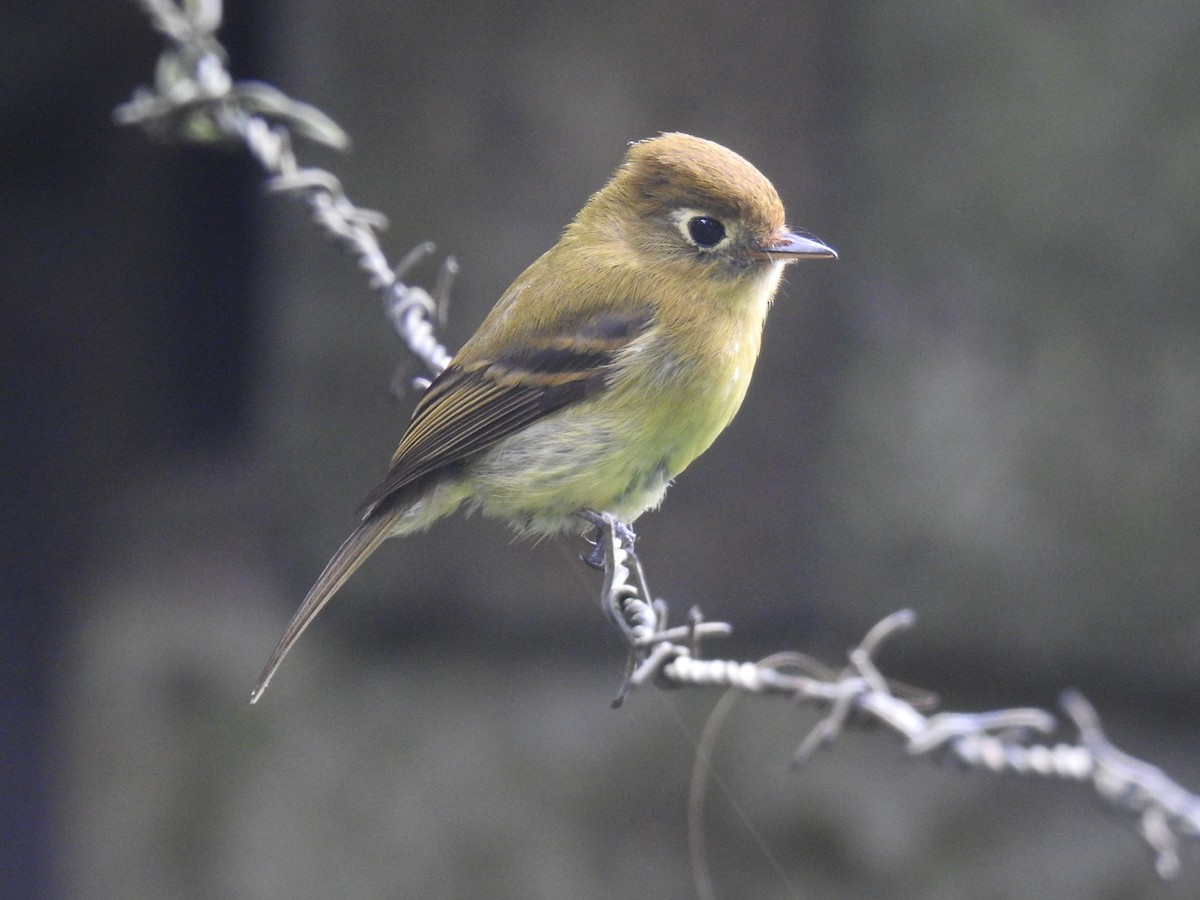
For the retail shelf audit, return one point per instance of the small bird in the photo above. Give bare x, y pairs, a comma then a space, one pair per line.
610, 364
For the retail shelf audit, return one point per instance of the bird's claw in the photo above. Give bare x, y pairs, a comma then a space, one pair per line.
595, 556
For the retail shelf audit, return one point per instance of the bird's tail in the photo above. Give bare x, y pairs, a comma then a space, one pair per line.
361, 544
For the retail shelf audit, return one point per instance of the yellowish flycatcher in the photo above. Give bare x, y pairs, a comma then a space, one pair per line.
606, 367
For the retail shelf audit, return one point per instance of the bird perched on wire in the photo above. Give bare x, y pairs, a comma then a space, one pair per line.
610, 364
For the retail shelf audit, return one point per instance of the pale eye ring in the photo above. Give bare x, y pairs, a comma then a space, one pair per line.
705, 231
701, 229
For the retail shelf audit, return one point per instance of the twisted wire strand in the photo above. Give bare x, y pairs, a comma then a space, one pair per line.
194, 98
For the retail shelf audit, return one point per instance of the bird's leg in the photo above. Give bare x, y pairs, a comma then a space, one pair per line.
608, 528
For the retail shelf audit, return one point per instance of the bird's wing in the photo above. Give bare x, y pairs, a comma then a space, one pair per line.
478, 400
474, 404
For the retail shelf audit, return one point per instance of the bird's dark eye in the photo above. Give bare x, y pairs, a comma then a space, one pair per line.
706, 231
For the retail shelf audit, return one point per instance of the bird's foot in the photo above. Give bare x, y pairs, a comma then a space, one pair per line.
604, 522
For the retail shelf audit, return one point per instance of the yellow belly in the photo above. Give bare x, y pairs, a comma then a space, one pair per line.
616, 453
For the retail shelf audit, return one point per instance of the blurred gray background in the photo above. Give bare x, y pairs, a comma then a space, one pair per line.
987, 410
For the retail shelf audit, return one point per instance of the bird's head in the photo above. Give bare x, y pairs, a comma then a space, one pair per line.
683, 200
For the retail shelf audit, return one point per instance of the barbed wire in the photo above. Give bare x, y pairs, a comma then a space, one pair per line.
194, 98
997, 741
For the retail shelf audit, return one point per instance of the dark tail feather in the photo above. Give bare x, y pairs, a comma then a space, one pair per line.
361, 544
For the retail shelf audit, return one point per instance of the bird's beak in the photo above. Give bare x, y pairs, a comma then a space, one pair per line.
788, 246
